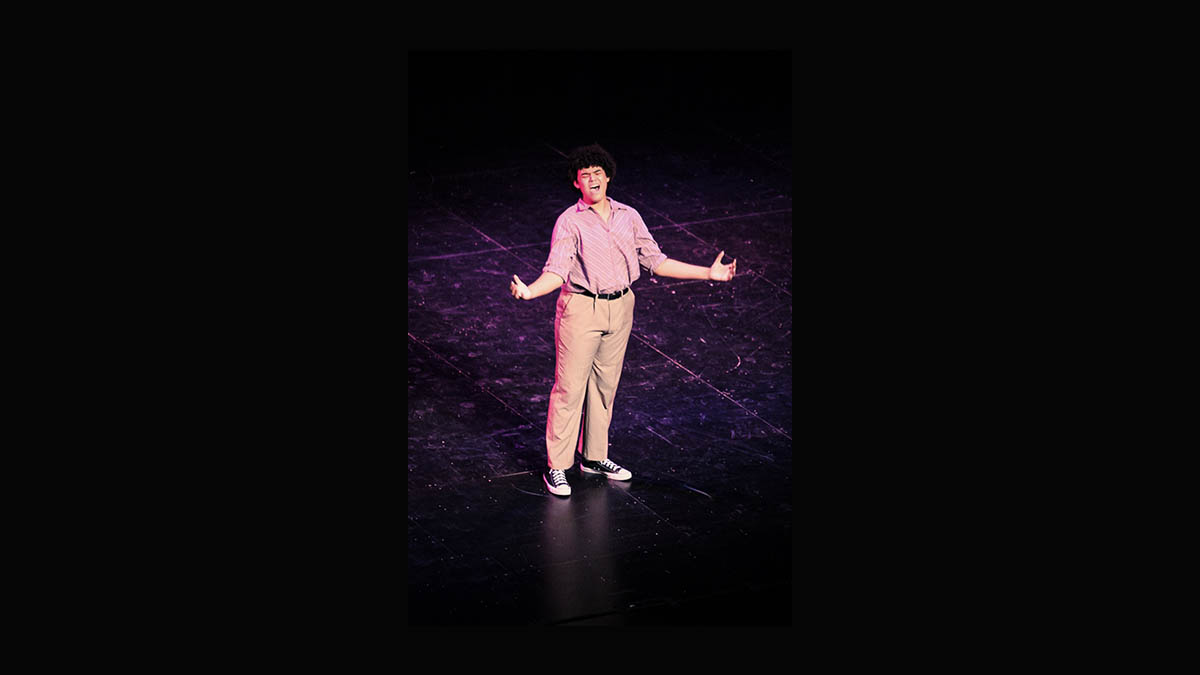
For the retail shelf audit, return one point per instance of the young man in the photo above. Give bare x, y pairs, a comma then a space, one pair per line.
595, 250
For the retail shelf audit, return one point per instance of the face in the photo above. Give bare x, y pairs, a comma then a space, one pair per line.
592, 183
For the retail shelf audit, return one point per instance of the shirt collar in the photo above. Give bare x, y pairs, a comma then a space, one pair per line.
582, 206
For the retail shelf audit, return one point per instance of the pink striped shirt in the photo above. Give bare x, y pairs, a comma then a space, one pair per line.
601, 257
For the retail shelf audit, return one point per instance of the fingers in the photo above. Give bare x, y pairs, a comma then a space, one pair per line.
730, 270
719, 256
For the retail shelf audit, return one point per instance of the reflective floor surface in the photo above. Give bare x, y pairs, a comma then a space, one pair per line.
703, 533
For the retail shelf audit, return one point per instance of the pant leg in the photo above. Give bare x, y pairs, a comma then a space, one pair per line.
605, 375
577, 335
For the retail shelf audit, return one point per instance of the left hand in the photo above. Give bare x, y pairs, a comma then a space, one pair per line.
719, 272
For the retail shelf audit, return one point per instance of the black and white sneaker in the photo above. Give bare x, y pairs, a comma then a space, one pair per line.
556, 482
606, 468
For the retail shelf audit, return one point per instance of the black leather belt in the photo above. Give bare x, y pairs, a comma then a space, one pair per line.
604, 296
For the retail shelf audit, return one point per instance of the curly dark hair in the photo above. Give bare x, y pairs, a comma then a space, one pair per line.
591, 155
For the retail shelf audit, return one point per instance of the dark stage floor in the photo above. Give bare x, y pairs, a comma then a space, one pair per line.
702, 535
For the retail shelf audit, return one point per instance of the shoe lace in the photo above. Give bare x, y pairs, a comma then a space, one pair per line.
607, 464
557, 477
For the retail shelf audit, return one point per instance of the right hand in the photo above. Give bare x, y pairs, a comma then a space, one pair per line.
518, 289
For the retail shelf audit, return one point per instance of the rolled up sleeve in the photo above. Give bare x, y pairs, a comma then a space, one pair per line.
649, 255
563, 244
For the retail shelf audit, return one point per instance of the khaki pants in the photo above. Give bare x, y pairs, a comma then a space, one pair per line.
590, 336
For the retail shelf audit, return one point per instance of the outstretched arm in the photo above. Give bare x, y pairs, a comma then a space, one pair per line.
549, 281
681, 270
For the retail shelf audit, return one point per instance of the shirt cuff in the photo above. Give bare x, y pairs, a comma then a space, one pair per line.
562, 273
654, 262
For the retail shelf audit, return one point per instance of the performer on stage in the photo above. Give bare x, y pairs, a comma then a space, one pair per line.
596, 248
